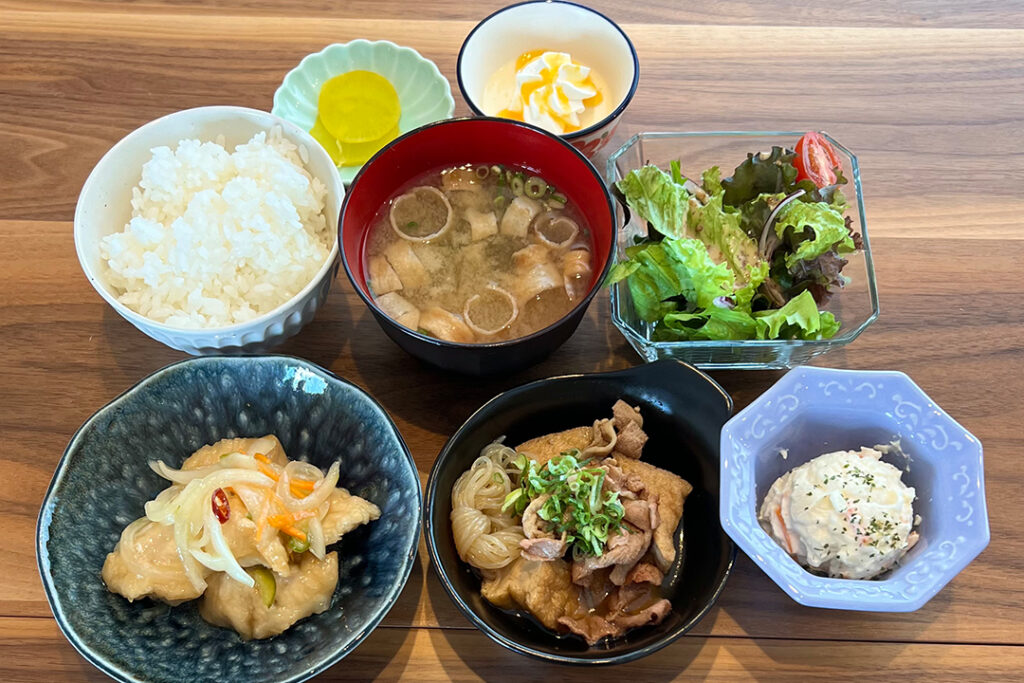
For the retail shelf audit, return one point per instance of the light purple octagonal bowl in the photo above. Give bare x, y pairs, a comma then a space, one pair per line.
811, 411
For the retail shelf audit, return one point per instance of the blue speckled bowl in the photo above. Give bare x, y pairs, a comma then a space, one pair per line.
103, 481
811, 411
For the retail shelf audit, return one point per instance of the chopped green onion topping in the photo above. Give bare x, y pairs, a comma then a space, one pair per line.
578, 506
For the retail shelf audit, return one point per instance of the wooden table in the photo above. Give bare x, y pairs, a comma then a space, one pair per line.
930, 95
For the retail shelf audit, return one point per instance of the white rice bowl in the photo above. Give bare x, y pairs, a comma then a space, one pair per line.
218, 238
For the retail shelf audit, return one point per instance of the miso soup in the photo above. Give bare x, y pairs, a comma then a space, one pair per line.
478, 253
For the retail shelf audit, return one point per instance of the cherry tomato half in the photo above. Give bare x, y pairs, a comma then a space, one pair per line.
816, 160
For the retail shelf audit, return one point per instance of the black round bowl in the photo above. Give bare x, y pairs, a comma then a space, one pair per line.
683, 411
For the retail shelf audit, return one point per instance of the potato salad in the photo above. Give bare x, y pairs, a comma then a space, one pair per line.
846, 514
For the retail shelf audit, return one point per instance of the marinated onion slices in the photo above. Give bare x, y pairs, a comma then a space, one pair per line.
276, 497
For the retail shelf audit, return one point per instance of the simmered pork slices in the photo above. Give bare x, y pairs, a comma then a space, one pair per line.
599, 527
671, 492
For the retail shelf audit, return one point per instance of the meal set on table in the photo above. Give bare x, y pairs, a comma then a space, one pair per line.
243, 515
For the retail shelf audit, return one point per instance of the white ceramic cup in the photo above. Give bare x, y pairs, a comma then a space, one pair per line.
590, 37
104, 207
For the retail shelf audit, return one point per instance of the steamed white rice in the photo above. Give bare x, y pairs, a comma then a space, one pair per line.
219, 238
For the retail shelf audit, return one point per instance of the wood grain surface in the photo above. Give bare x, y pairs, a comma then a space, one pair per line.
35, 646
929, 94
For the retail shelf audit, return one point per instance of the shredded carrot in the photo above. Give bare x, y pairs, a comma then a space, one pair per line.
262, 458
300, 488
294, 533
278, 521
267, 471
785, 531
281, 521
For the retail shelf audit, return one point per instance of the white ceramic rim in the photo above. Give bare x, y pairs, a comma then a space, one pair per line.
334, 185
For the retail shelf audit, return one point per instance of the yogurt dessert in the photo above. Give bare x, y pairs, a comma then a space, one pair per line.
846, 514
547, 89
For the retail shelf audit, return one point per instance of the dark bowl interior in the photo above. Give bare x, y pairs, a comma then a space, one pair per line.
683, 412
103, 481
475, 141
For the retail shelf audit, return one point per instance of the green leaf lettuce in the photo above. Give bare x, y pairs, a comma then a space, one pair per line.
798, 319
654, 196
827, 226
719, 229
659, 271
715, 323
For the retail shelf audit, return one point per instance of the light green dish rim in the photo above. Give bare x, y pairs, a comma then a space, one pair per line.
431, 90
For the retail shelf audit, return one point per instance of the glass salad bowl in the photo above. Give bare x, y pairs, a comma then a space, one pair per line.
855, 306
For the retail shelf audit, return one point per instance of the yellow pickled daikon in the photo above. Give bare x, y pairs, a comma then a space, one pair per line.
358, 113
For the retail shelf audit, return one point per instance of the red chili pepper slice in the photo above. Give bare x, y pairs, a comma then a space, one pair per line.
221, 508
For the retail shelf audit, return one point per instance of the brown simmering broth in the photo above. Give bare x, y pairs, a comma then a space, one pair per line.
478, 254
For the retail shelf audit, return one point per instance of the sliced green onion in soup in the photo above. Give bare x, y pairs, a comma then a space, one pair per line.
535, 187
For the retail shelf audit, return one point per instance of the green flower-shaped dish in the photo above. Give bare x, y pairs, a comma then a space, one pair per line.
424, 94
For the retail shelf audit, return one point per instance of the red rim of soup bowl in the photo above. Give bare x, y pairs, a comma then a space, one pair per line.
476, 140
